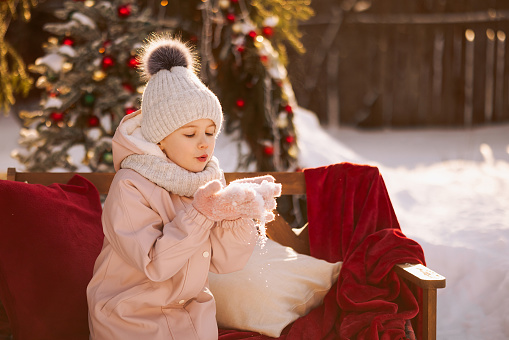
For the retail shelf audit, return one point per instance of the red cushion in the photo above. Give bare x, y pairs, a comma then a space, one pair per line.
50, 237
5, 328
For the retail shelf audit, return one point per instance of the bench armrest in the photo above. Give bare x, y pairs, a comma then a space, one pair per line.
420, 275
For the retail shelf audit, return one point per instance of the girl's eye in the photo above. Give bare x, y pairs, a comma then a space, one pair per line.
190, 136
210, 134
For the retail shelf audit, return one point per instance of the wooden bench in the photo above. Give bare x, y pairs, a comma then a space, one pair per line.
293, 183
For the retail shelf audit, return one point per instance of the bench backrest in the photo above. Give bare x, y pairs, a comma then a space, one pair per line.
293, 183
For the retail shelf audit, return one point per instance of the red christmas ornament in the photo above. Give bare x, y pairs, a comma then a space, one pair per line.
240, 103
264, 59
128, 87
124, 11
53, 94
93, 121
108, 62
129, 110
230, 17
252, 35
290, 139
288, 109
56, 116
268, 150
241, 48
133, 62
68, 41
268, 31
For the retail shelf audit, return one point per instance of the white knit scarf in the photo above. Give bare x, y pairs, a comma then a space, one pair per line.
170, 176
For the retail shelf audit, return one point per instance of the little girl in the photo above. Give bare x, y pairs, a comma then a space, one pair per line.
168, 218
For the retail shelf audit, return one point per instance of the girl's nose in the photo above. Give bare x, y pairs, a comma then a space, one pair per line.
203, 144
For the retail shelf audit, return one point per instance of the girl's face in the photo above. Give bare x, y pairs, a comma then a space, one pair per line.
192, 145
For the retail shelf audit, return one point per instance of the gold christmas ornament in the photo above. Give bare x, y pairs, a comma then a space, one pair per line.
99, 75
237, 27
15, 153
53, 40
30, 114
282, 120
224, 4
64, 89
293, 151
66, 67
41, 82
37, 68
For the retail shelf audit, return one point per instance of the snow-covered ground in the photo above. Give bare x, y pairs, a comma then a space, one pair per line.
450, 190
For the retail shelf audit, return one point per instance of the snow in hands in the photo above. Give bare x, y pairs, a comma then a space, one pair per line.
249, 198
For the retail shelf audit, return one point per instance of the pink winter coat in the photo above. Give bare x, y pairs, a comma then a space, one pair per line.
150, 279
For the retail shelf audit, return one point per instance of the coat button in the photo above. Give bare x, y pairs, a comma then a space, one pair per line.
206, 254
181, 302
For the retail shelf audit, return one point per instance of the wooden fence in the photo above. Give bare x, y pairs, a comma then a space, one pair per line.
405, 63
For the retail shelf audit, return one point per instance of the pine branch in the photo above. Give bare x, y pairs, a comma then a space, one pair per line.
14, 78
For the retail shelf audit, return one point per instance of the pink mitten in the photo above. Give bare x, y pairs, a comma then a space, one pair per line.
230, 203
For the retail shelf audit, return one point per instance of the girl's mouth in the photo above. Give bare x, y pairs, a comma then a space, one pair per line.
203, 158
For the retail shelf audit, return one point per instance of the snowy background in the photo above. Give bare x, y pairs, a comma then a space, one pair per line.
450, 191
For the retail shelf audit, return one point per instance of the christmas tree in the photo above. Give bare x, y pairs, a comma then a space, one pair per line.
13, 76
91, 82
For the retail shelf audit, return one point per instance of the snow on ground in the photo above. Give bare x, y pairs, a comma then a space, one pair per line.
450, 191
9, 131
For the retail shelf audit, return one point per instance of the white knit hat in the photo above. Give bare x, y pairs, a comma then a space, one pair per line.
174, 95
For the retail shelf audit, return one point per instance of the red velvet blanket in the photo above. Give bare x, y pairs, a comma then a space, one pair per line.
351, 219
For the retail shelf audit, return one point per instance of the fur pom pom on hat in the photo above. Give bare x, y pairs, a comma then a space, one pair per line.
174, 95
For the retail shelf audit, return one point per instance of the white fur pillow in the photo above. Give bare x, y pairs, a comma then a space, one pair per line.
276, 287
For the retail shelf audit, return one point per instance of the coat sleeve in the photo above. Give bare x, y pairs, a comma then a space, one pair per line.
232, 245
134, 230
